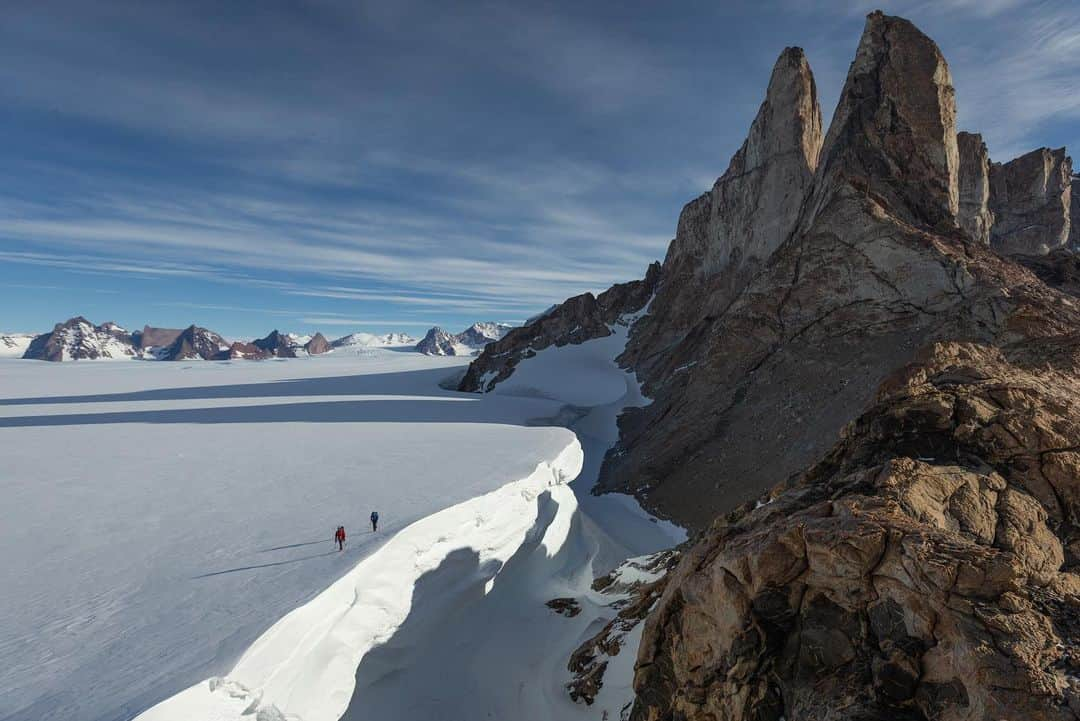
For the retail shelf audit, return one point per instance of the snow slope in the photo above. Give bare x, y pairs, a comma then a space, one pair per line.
448, 620
13, 345
158, 518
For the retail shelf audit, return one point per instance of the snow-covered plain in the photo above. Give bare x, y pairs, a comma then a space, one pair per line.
159, 518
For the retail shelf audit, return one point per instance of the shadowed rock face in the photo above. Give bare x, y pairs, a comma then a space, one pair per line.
974, 213
724, 236
581, 318
876, 268
317, 345
914, 573
1031, 198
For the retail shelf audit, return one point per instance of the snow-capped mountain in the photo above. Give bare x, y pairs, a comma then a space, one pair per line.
468, 342
370, 340
78, 338
14, 345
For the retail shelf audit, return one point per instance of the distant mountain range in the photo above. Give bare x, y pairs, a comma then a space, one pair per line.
468, 342
79, 339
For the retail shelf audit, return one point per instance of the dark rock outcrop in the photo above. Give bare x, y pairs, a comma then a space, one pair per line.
150, 337
876, 267
925, 569
196, 343
1031, 200
276, 344
974, 213
317, 345
577, 320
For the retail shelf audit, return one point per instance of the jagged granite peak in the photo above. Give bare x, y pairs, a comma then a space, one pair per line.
724, 235
893, 134
1031, 197
974, 214
906, 394
151, 337
276, 344
317, 345
195, 343
757, 390
576, 320
752, 207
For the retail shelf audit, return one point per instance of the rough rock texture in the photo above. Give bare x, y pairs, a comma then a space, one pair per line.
915, 573
150, 337
577, 320
195, 342
1031, 198
974, 213
317, 345
876, 268
1059, 269
724, 236
276, 344
631, 600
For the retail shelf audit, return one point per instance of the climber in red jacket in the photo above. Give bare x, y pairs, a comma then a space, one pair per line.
339, 536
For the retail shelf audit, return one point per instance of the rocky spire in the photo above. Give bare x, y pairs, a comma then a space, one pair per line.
1031, 198
753, 206
893, 135
974, 214
725, 235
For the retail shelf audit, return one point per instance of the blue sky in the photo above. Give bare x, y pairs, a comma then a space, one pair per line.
344, 166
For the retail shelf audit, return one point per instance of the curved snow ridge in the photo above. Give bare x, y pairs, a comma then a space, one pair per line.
303, 668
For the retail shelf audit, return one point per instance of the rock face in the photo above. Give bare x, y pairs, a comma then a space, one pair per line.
1031, 198
150, 337
276, 344
577, 320
914, 573
974, 214
875, 268
196, 343
317, 345
79, 339
724, 236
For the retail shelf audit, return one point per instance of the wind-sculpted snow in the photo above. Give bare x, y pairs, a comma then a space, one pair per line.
305, 665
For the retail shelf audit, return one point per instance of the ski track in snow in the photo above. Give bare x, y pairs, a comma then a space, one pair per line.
444, 620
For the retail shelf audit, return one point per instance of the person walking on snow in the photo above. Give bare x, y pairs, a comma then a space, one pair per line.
339, 536
374, 521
